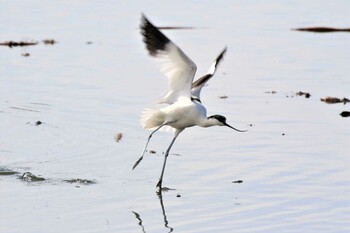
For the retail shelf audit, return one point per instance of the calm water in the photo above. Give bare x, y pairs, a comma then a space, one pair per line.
294, 161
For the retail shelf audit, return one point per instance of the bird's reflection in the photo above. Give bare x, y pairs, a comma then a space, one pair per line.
140, 221
166, 223
164, 214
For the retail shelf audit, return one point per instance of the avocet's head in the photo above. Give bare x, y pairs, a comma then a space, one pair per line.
221, 121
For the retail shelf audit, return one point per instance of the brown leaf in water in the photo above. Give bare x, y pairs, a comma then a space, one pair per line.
118, 137
334, 100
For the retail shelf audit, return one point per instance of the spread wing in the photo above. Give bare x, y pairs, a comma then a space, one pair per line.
199, 83
175, 64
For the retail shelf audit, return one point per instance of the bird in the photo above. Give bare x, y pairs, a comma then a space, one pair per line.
184, 107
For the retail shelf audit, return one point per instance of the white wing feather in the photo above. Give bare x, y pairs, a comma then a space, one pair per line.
175, 64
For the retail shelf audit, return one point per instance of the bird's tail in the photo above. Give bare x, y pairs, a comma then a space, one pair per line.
151, 118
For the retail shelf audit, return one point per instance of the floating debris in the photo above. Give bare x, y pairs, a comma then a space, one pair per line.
37, 123
88, 42
7, 172
79, 181
152, 151
334, 100
118, 137
237, 181
345, 114
49, 41
30, 177
270, 92
322, 29
14, 43
25, 54
301, 93
223, 97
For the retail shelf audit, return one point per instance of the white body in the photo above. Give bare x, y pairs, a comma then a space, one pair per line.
182, 114
183, 97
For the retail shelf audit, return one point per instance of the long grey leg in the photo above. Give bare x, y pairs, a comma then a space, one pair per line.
144, 150
159, 184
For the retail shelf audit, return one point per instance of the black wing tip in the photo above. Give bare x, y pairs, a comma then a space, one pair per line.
206, 77
154, 39
221, 55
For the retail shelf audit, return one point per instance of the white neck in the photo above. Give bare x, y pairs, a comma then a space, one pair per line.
208, 122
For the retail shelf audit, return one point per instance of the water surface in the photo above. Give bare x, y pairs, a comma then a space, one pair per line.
92, 85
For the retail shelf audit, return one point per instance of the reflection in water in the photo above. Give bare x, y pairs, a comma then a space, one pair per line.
164, 214
140, 221
138, 217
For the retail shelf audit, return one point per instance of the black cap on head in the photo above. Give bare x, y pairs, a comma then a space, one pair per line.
222, 119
